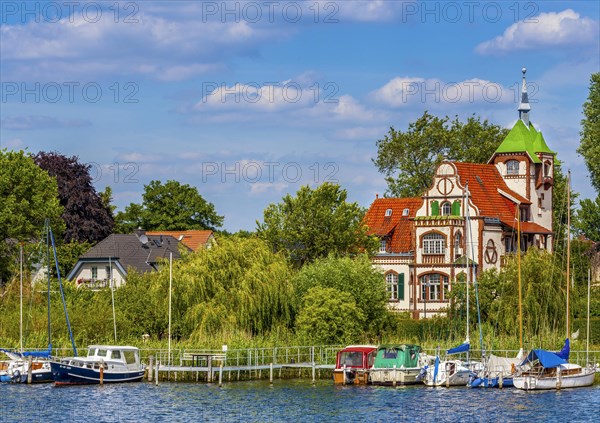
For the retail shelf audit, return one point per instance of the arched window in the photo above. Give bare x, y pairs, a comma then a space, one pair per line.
434, 243
457, 240
547, 168
433, 286
512, 167
446, 208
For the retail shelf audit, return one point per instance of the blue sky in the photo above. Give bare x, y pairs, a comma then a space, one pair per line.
249, 100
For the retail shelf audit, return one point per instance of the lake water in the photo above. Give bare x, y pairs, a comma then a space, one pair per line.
291, 400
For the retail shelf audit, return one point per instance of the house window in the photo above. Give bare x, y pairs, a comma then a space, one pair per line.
446, 209
434, 244
108, 275
388, 212
433, 286
94, 273
383, 246
457, 240
405, 212
391, 280
547, 169
512, 167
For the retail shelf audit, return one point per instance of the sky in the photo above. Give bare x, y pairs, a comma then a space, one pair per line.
250, 100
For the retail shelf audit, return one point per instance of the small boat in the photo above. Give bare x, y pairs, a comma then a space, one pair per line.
497, 372
352, 365
17, 369
448, 372
103, 364
396, 365
546, 370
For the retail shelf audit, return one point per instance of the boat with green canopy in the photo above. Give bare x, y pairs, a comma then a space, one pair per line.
397, 364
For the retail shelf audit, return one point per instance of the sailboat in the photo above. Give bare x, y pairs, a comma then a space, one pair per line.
29, 366
452, 372
548, 370
498, 372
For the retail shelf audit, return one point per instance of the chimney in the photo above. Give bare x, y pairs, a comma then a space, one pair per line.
376, 195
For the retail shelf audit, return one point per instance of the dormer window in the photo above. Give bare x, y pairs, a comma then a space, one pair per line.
512, 167
388, 212
383, 246
405, 212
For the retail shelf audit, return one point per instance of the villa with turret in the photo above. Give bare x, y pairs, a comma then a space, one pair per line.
470, 214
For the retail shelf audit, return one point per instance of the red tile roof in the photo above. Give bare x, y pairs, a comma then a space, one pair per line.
484, 181
193, 239
396, 226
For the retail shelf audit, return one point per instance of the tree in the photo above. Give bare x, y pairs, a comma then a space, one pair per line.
587, 221
86, 216
29, 196
237, 285
408, 159
316, 223
170, 207
329, 316
354, 276
589, 147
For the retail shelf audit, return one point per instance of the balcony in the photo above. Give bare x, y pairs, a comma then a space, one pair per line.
93, 284
434, 258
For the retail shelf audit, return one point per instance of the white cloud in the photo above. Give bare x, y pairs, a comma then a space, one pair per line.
566, 28
40, 122
166, 49
13, 143
432, 92
258, 188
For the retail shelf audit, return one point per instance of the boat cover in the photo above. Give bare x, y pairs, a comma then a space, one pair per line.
460, 349
547, 359
564, 353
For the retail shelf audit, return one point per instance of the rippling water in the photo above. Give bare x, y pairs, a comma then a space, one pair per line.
296, 400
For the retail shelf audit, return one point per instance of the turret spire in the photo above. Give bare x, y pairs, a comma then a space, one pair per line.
524, 107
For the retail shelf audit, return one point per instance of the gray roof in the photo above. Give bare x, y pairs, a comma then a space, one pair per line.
130, 252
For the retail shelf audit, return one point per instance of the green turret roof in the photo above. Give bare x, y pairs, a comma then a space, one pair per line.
523, 139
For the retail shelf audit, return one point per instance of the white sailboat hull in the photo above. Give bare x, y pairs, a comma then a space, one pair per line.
530, 383
450, 373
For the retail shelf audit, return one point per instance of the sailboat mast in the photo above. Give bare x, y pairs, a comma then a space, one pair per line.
47, 230
587, 342
468, 239
519, 276
21, 301
568, 247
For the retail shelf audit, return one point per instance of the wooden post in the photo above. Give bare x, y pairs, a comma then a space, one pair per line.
150, 368
209, 361
156, 373
394, 377
447, 376
500, 379
29, 370
313, 372
271, 374
558, 378
221, 375
101, 374
344, 373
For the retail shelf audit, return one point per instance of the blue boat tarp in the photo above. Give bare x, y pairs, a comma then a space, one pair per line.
547, 359
39, 354
460, 349
566, 349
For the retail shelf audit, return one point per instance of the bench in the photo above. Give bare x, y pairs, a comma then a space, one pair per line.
209, 357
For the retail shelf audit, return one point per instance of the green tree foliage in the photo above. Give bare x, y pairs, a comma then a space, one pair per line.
587, 221
543, 290
86, 218
315, 223
409, 159
589, 147
29, 196
239, 284
354, 276
171, 206
329, 316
